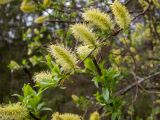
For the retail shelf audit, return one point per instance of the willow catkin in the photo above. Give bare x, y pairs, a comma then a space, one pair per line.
65, 116
28, 6
98, 18
122, 16
83, 33
64, 57
14, 111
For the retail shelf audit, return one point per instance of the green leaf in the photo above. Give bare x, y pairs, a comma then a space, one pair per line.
105, 94
27, 90
96, 80
19, 96
114, 116
46, 109
89, 65
40, 105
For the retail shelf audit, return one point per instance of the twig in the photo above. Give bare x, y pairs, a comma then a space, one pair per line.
129, 87
141, 13
87, 55
137, 86
63, 21
154, 59
97, 67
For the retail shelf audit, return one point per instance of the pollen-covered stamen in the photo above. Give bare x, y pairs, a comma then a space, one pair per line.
46, 3
63, 57
41, 19
27, 6
14, 111
122, 16
65, 116
45, 79
83, 33
98, 18
84, 51
94, 116
44, 75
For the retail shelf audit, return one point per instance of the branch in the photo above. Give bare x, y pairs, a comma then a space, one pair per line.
142, 13
154, 59
63, 21
87, 55
97, 67
129, 87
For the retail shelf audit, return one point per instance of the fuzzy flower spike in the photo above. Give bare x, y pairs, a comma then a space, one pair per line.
65, 116
27, 6
94, 116
45, 79
84, 34
63, 57
13, 112
98, 18
122, 16
85, 50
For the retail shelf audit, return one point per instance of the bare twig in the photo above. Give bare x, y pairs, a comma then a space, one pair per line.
63, 21
142, 13
97, 66
129, 87
137, 86
154, 59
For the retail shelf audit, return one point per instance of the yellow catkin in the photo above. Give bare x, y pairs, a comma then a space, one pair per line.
63, 57
84, 34
75, 98
14, 111
98, 18
85, 50
45, 79
27, 6
122, 16
41, 76
94, 116
46, 3
65, 116
41, 19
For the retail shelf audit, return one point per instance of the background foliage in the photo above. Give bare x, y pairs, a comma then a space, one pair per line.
134, 52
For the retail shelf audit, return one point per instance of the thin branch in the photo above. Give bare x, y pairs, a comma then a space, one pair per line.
63, 21
87, 55
144, 12
129, 87
97, 66
154, 59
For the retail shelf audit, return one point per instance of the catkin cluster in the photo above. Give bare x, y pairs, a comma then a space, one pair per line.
122, 16
65, 116
85, 34
14, 111
64, 57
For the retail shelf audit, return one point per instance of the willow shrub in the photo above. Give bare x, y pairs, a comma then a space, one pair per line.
94, 34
